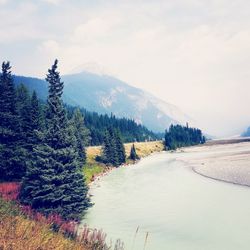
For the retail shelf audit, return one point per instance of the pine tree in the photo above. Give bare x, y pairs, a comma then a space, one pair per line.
54, 182
107, 148
121, 155
113, 148
133, 155
36, 126
180, 136
35, 112
23, 104
81, 133
113, 157
12, 163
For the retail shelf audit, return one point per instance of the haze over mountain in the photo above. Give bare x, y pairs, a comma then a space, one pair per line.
107, 94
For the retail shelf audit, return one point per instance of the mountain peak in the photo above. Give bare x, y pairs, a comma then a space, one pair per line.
91, 67
103, 93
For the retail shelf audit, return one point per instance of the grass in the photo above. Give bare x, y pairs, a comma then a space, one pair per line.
23, 228
16, 231
93, 168
142, 148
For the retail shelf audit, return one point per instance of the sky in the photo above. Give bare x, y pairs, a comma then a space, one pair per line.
191, 53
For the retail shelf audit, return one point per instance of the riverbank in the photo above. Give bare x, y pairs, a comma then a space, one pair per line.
229, 161
126, 199
94, 170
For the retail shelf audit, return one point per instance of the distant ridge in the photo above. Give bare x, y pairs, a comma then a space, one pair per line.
106, 94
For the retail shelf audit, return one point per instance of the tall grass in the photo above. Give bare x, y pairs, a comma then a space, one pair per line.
23, 228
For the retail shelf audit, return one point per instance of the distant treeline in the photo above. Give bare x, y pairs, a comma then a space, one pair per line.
180, 136
246, 133
130, 131
97, 125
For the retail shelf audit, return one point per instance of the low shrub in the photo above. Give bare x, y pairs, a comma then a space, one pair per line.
22, 226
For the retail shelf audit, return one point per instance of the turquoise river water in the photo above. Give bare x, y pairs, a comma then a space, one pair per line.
179, 209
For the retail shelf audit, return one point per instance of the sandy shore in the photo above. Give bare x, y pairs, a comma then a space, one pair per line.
228, 162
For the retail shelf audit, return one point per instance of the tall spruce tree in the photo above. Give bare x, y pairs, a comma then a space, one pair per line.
113, 148
113, 158
12, 163
36, 123
54, 183
23, 104
133, 155
121, 155
107, 148
81, 133
36, 114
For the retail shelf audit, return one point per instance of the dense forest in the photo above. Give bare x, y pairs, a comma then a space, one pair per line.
180, 136
42, 148
113, 151
129, 130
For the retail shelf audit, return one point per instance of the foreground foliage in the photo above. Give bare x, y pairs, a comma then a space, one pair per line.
21, 226
54, 182
12, 154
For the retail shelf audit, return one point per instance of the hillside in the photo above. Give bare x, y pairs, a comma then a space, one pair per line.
129, 129
106, 94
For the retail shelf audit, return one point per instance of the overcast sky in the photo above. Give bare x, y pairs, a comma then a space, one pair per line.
192, 53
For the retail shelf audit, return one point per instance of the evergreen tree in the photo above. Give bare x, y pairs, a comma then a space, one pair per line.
180, 136
12, 164
107, 148
133, 155
36, 118
121, 155
113, 148
36, 115
54, 182
23, 104
81, 133
113, 157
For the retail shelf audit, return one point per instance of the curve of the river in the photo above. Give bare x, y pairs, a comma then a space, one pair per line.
179, 209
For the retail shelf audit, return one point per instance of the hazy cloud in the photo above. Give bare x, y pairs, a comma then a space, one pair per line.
193, 53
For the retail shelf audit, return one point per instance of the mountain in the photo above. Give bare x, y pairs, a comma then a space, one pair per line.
107, 94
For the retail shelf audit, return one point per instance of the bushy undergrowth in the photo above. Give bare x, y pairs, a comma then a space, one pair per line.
21, 226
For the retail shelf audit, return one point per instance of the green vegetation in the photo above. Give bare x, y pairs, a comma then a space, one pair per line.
113, 151
42, 147
133, 155
54, 182
180, 136
129, 130
12, 153
21, 226
91, 170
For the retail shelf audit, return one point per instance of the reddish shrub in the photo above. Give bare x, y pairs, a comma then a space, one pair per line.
9, 190
92, 238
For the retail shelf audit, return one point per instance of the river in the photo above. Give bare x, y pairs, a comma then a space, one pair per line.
179, 209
